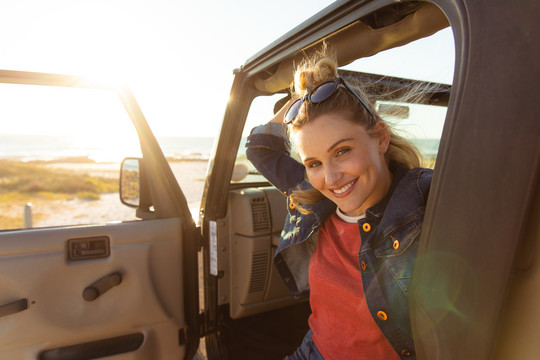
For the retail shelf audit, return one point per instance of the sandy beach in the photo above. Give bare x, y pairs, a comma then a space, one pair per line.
51, 212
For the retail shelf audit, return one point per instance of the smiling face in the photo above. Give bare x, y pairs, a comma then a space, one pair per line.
344, 162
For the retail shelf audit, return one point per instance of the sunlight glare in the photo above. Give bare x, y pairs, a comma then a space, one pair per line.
94, 122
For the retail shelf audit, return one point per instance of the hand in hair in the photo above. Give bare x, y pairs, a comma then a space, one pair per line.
278, 117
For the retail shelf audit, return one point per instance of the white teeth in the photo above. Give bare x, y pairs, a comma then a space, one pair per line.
345, 188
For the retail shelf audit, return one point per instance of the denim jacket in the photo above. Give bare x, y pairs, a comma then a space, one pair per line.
389, 233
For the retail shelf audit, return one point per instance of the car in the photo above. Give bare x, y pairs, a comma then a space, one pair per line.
152, 283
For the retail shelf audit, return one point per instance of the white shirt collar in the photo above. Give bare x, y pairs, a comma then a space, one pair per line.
349, 219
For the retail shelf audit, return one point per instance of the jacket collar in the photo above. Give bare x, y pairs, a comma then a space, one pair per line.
398, 172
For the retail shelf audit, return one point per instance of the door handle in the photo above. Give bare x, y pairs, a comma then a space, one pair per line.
14, 307
101, 286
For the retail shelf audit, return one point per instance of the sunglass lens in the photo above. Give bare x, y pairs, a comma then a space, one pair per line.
293, 111
323, 91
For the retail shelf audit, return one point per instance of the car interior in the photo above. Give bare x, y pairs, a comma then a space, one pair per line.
245, 285
241, 290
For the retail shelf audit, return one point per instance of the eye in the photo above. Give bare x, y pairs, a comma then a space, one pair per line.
342, 151
313, 164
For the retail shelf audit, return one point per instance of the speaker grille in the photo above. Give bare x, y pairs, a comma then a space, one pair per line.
260, 215
259, 266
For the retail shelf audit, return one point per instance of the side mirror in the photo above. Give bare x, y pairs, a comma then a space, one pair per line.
393, 110
134, 191
130, 184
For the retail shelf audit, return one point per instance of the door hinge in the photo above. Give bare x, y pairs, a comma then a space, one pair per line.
205, 328
183, 336
200, 238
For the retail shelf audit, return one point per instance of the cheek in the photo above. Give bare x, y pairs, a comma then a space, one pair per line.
371, 158
316, 179
364, 166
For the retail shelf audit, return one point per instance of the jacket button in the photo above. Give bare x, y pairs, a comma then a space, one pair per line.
395, 244
382, 315
366, 227
407, 352
363, 265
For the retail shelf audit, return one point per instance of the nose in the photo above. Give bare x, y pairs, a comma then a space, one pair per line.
332, 174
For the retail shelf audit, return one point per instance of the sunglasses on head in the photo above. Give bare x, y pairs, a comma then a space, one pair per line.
319, 94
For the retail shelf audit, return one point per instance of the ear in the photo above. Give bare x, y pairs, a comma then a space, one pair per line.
383, 136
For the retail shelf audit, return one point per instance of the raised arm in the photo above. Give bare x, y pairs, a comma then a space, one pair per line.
269, 149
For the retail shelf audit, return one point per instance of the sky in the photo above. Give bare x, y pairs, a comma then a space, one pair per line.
177, 56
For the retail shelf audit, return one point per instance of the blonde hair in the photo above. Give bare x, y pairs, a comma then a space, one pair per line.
321, 67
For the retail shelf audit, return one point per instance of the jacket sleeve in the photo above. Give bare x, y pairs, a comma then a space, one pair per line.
269, 150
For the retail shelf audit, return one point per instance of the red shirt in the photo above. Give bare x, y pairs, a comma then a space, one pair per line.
341, 322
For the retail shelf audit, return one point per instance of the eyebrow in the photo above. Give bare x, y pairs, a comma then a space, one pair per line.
337, 143
329, 149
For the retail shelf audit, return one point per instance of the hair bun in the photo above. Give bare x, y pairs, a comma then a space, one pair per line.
320, 67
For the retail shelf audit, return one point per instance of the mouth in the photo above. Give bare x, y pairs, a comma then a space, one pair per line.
343, 191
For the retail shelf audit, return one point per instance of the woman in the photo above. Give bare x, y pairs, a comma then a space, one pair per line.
356, 205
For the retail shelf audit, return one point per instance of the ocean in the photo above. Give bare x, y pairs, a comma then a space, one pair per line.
52, 147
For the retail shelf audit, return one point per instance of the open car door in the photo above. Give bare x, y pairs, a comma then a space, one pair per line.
118, 286
476, 275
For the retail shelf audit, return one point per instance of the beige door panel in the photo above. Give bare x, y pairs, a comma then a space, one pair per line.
247, 240
144, 296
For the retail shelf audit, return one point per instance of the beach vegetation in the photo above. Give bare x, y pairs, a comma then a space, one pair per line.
87, 195
17, 197
44, 187
24, 178
11, 222
14, 220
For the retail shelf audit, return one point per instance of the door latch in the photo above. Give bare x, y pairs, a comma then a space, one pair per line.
88, 248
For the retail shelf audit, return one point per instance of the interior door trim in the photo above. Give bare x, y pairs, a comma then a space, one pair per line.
95, 349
